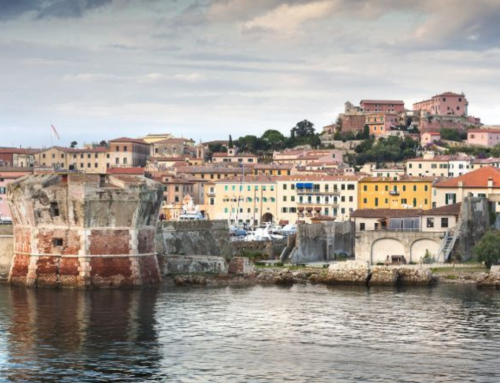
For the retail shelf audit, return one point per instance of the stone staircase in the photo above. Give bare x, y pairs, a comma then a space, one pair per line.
449, 241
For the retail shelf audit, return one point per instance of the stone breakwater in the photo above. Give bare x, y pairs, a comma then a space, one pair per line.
242, 272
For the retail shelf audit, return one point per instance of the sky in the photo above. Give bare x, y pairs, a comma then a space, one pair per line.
204, 69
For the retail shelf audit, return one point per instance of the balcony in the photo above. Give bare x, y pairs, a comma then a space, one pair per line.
317, 192
211, 194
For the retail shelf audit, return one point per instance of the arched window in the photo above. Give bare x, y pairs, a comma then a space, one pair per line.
273, 199
249, 199
264, 199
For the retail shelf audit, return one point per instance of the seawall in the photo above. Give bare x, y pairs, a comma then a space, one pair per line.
6, 250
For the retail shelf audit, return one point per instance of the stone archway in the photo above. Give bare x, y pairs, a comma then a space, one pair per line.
268, 217
383, 247
419, 248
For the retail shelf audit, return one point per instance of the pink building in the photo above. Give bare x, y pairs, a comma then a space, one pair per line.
483, 137
391, 106
429, 137
7, 175
447, 103
381, 123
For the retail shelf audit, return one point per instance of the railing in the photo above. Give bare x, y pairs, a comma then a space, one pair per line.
390, 229
316, 191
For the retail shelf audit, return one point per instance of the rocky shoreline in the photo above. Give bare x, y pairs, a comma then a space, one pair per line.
344, 273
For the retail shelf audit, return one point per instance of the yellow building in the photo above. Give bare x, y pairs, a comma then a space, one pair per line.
387, 193
96, 160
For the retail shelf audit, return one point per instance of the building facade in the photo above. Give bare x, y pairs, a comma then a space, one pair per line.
387, 193
447, 103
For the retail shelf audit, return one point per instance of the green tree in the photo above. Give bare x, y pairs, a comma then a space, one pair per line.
230, 145
488, 248
304, 128
274, 139
366, 132
450, 134
73, 144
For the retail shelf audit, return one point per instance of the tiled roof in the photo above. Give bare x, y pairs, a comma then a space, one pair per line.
172, 141
407, 213
495, 131
401, 179
127, 139
386, 213
453, 209
235, 156
475, 179
136, 171
75, 150
18, 151
399, 102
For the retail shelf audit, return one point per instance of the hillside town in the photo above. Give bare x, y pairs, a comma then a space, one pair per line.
381, 165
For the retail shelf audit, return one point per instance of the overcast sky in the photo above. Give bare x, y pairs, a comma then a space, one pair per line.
101, 69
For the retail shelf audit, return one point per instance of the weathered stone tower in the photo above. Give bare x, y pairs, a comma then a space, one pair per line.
81, 230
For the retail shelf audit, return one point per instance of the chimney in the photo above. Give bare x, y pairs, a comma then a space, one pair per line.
490, 185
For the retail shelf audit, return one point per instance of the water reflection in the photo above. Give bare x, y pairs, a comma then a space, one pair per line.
259, 334
78, 335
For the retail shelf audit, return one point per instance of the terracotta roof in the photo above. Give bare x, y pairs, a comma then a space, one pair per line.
135, 171
401, 179
399, 102
407, 213
127, 139
449, 94
172, 141
18, 150
495, 131
386, 213
475, 179
15, 169
76, 150
432, 133
453, 209
235, 156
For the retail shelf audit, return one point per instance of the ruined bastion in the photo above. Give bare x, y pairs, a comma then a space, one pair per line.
82, 230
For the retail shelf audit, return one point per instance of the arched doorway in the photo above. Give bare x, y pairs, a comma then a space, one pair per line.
384, 247
268, 217
421, 246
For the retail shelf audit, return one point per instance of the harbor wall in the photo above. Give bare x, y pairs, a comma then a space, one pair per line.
320, 242
194, 238
6, 249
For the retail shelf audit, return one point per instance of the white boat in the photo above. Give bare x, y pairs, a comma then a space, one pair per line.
262, 234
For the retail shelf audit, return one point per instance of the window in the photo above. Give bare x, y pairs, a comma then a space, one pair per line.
362, 226
226, 210
376, 201
117, 148
365, 200
444, 222
343, 187
292, 198
364, 188
212, 201
414, 188
284, 210
54, 209
57, 242
125, 148
351, 198
430, 222
273, 199
264, 199
2, 190
426, 187
414, 202
376, 187
284, 198
350, 187
226, 188
284, 186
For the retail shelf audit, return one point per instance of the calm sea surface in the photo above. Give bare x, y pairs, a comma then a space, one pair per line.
256, 334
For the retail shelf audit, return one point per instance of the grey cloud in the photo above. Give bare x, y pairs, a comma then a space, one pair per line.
11, 9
